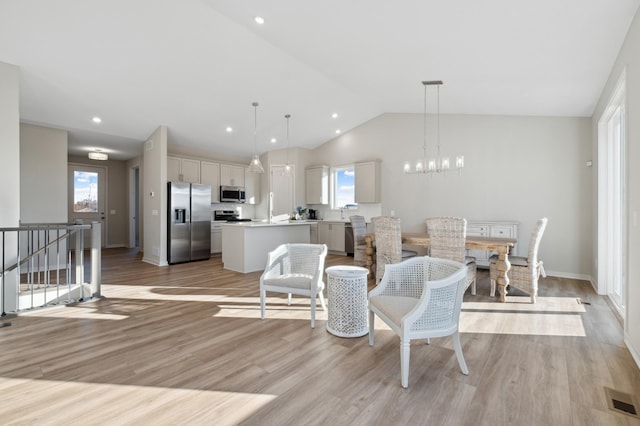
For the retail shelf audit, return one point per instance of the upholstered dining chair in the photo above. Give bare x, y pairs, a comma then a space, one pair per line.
295, 268
420, 298
447, 238
525, 271
359, 227
388, 235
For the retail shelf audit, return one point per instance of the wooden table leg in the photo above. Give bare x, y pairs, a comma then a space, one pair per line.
502, 267
370, 253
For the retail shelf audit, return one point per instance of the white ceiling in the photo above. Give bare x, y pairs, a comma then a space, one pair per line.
197, 65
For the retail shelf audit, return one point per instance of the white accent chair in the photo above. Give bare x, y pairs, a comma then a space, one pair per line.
447, 239
525, 271
420, 298
388, 243
295, 269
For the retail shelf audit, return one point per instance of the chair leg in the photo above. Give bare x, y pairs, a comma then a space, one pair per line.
313, 312
493, 288
473, 287
457, 346
371, 319
324, 306
405, 352
289, 299
263, 302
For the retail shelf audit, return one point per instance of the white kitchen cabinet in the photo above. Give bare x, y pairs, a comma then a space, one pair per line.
231, 175
332, 234
314, 233
216, 238
210, 175
317, 185
506, 229
252, 186
183, 170
367, 182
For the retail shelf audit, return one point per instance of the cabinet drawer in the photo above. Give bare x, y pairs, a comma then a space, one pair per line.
478, 230
502, 231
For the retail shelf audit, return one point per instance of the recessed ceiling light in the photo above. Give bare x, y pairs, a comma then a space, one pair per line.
273, 140
229, 129
338, 132
259, 20
334, 115
97, 120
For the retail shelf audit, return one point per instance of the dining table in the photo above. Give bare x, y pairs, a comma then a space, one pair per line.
500, 245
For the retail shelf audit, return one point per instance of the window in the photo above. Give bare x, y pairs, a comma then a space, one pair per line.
85, 192
343, 187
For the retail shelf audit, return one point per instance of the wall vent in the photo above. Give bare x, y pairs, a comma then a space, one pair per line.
621, 402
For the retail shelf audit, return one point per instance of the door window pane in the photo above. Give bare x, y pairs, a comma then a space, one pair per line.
85, 192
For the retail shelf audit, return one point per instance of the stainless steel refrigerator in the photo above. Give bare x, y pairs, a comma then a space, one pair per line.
189, 222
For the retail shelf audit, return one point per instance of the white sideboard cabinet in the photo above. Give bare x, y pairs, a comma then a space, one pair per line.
488, 228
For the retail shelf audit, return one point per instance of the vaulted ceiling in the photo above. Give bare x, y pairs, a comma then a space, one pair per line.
196, 66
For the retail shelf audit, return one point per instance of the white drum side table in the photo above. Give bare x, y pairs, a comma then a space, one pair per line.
347, 300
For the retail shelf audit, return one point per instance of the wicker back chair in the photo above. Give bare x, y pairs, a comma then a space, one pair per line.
447, 238
420, 298
295, 269
388, 243
359, 227
525, 271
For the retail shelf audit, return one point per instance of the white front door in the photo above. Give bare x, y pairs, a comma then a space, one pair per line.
87, 199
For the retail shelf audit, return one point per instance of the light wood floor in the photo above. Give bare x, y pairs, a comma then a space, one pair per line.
184, 345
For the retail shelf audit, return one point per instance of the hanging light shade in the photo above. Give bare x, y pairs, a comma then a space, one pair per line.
255, 166
287, 167
439, 163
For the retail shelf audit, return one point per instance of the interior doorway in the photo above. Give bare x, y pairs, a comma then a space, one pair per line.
134, 207
612, 220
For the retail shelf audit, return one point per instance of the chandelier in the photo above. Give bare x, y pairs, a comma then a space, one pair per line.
437, 164
256, 165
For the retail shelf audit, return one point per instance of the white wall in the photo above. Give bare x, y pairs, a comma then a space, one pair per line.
516, 168
155, 197
43, 175
629, 56
9, 145
9, 173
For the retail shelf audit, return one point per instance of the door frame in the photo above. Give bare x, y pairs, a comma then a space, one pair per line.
70, 198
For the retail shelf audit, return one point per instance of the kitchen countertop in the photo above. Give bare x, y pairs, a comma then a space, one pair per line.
265, 224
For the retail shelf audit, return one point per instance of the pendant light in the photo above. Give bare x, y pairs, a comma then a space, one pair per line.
256, 165
287, 167
438, 164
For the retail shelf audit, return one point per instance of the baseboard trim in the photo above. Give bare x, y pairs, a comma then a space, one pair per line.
632, 350
154, 262
569, 275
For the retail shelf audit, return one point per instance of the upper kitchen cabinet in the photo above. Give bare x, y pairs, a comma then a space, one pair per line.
251, 186
367, 182
183, 170
317, 185
231, 175
210, 175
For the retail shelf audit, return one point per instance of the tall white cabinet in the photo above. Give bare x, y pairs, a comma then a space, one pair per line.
317, 185
367, 182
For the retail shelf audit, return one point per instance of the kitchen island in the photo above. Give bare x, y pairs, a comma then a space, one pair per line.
245, 245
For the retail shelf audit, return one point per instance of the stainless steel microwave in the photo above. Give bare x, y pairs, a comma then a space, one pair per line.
232, 194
